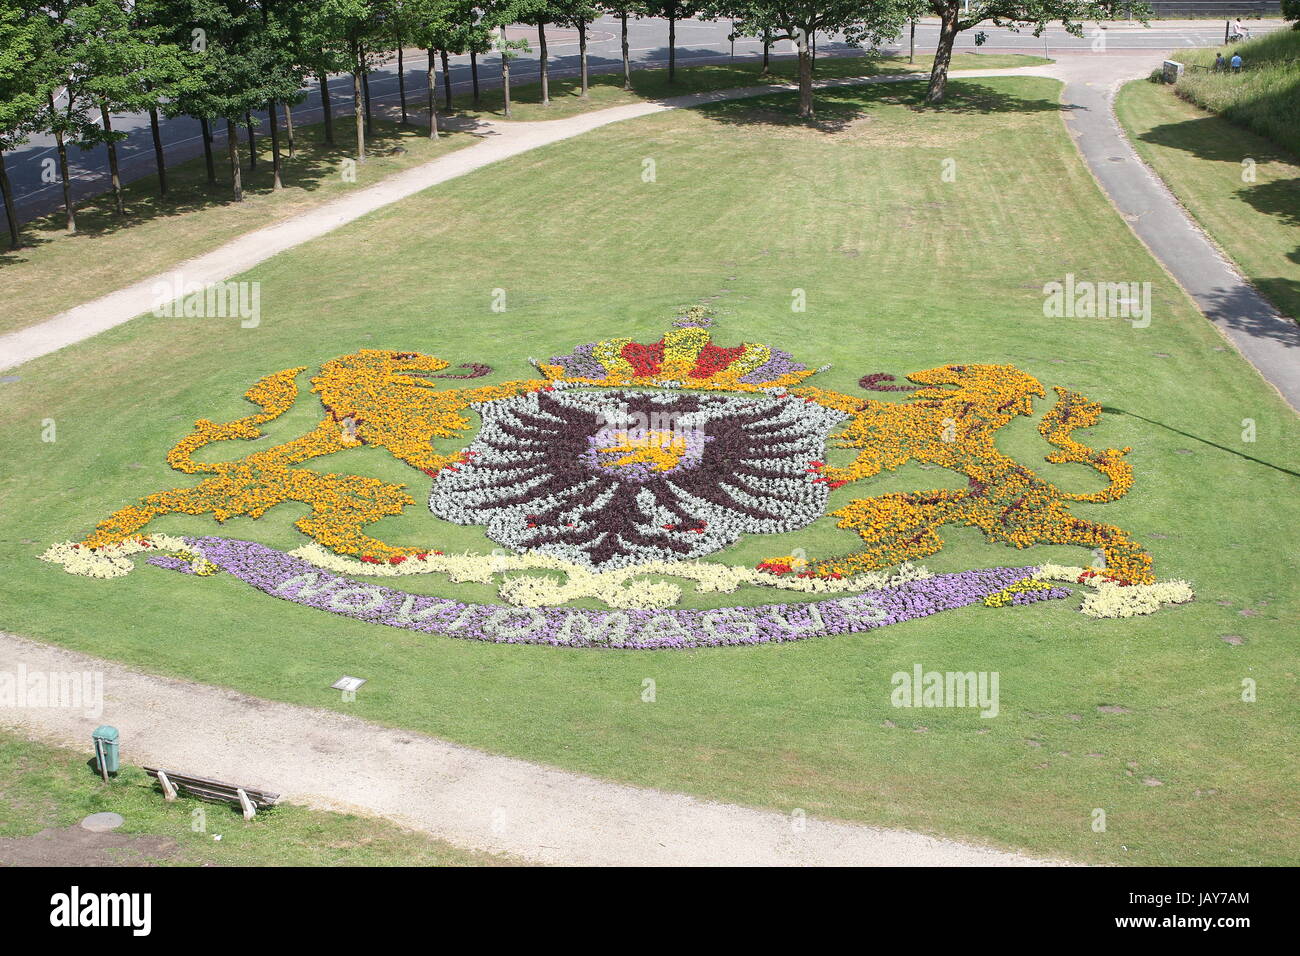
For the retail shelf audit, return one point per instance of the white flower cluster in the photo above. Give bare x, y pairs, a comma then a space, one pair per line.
1111, 600
623, 588
109, 562
511, 478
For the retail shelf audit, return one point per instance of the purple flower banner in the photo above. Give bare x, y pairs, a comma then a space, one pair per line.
292, 579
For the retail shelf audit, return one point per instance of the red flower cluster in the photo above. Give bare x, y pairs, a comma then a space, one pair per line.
645, 359
714, 359
1112, 578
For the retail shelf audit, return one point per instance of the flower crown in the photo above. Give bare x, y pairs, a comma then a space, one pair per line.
682, 358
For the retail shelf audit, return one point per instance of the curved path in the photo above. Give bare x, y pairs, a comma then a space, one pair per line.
1269, 341
473, 799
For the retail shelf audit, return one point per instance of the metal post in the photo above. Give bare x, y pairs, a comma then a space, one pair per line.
99, 758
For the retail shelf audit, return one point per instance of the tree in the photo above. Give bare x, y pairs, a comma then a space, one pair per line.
1291, 11
172, 69
24, 85
859, 21
434, 26
578, 14
672, 11
65, 114
130, 66
496, 16
321, 51
623, 11
352, 23
238, 72
538, 13
1009, 13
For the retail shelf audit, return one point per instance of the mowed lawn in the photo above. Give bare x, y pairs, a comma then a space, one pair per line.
1205, 160
902, 270
54, 271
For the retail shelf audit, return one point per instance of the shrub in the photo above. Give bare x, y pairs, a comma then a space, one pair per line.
1264, 97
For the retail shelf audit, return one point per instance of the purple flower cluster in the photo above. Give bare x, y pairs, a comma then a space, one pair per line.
292, 579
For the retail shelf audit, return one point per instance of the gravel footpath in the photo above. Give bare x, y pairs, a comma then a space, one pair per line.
472, 799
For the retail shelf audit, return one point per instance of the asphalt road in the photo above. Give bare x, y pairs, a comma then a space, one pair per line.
33, 169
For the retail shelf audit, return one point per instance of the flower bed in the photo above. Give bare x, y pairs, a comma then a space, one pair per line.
289, 578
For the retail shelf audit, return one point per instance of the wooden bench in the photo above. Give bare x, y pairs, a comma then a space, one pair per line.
248, 799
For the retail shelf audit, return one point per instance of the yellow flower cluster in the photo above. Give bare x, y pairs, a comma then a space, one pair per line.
951, 422
373, 397
1073, 411
1007, 594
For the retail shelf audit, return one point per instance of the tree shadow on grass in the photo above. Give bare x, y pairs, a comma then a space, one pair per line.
1214, 138
189, 190
1111, 410
1280, 199
838, 107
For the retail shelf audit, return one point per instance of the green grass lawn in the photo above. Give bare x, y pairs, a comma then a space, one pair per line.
56, 271
43, 787
1200, 156
902, 271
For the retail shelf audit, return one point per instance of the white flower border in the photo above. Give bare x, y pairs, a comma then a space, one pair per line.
1111, 600
622, 588
618, 587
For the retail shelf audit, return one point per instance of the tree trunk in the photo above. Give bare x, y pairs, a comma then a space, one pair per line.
323, 81
805, 84
158, 160
446, 81
359, 113
113, 172
365, 91
63, 167
582, 53
672, 49
401, 81
252, 143
433, 95
275, 147
232, 149
11, 215
767, 51
505, 82
627, 62
545, 71
473, 75
288, 129
208, 161
949, 14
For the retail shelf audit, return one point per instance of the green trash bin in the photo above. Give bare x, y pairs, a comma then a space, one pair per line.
106, 748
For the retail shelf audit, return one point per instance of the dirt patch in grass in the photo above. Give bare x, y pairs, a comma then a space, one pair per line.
73, 846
